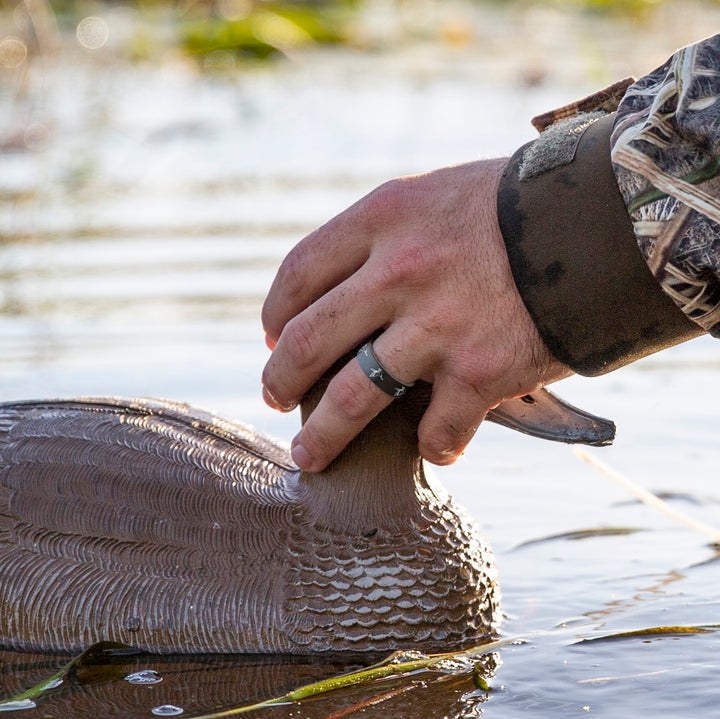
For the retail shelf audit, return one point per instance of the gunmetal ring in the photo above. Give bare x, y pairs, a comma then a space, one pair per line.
377, 374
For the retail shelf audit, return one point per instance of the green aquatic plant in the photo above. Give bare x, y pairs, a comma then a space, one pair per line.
266, 30
396, 665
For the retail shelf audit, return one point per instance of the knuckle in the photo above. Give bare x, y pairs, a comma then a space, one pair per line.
409, 265
300, 342
350, 398
387, 199
436, 324
478, 371
291, 274
401, 204
392, 202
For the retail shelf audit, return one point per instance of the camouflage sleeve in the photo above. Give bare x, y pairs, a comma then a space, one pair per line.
665, 150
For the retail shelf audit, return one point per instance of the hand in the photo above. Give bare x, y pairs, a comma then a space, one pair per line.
422, 259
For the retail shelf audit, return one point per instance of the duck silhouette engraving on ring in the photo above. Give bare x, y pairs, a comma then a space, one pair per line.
162, 526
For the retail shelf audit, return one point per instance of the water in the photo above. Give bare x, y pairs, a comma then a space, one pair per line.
139, 235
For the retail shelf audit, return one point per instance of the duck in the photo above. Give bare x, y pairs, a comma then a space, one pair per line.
166, 527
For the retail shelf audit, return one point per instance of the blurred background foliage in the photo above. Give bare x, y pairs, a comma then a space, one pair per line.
222, 32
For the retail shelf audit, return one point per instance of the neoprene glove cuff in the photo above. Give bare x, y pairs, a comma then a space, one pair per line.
576, 262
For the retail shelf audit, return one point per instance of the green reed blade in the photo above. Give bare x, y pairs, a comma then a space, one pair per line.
387, 668
26, 699
669, 631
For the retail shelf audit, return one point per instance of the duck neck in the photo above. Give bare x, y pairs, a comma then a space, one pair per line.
378, 481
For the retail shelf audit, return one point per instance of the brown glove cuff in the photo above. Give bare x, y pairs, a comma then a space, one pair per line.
577, 265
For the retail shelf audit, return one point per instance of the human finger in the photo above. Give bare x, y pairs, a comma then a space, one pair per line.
351, 401
325, 258
306, 274
451, 419
313, 340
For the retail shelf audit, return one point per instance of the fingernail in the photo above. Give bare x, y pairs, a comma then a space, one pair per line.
270, 400
269, 342
301, 457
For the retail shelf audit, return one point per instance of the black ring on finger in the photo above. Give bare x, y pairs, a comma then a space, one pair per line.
377, 374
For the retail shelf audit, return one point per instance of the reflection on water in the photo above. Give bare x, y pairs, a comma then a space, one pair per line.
140, 230
135, 684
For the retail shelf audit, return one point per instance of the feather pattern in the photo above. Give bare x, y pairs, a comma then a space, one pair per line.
162, 526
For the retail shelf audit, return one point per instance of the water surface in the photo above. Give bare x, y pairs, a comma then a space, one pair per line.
139, 236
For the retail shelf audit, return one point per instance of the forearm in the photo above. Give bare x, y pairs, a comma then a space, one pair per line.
591, 243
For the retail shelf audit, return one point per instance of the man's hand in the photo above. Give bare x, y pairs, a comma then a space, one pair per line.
422, 259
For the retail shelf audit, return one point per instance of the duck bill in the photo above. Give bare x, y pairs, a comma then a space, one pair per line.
543, 414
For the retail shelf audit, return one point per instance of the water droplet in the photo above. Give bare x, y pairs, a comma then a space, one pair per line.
146, 676
167, 710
